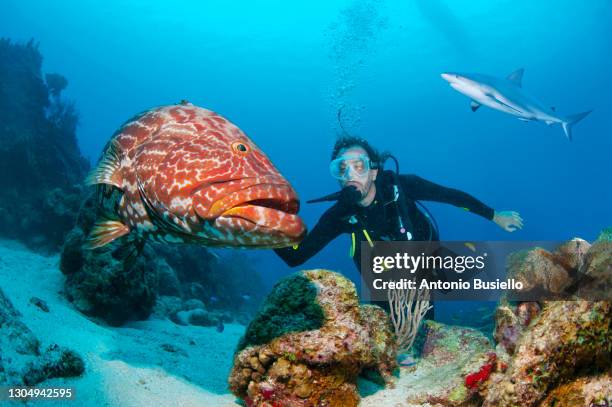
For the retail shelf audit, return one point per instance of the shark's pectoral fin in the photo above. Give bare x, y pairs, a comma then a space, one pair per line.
548, 122
523, 119
516, 77
474, 105
501, 102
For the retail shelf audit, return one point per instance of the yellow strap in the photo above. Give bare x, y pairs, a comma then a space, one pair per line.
465, 209
365, 233
295, 246
352, 248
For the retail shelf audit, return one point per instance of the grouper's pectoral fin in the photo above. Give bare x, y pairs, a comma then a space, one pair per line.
105, 231
107, 171
168, 220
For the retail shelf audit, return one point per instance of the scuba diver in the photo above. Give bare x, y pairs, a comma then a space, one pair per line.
377, 204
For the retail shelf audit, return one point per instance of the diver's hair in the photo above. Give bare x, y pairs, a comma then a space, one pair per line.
352, 141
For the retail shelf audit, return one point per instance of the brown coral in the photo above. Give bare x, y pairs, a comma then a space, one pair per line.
539, 270
575, 268
596, 272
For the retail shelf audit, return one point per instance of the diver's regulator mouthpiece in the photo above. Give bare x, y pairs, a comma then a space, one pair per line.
349, 194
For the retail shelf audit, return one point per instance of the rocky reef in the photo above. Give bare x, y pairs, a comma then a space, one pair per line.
546, 353
567, 340
309, 342
42, 167
187, 284
459, 361
590, 391
309, 348
105, 283
555, 348
21, 360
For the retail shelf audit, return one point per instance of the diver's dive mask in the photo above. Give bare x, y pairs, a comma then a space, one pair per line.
342, 166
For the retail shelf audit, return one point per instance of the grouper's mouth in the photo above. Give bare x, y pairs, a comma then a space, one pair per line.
269, 214
263, 215
290, 207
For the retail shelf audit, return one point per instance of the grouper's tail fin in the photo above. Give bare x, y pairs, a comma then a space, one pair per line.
570, 121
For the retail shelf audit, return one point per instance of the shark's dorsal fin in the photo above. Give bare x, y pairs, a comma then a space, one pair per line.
474, 105
516, 77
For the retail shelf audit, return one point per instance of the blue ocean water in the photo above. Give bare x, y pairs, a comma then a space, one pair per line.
281, 71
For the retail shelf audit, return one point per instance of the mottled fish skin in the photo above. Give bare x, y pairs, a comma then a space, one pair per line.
189, 175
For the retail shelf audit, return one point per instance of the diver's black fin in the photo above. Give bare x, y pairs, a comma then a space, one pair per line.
474, 105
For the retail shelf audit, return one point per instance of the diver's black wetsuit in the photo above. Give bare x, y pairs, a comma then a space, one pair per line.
378, 220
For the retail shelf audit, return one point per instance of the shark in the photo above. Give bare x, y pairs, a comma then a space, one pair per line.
507, 95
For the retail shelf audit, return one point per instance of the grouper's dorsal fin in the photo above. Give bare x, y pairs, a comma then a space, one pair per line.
107, 171
516, 77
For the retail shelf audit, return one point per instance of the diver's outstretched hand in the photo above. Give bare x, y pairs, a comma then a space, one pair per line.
508, 220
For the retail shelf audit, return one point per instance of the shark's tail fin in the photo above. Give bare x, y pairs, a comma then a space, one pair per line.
570, 121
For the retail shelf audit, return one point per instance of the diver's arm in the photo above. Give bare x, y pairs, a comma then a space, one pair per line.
326, 230
418, 188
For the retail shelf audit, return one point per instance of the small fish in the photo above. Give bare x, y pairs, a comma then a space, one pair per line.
246, 297
213, 299
220, 326
406, 360
181, 173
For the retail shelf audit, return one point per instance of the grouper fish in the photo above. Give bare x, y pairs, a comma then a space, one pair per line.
184, 174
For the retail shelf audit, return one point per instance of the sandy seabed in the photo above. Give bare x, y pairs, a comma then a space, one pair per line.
131, 365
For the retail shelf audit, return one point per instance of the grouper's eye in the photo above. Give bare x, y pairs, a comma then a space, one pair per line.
240, 148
